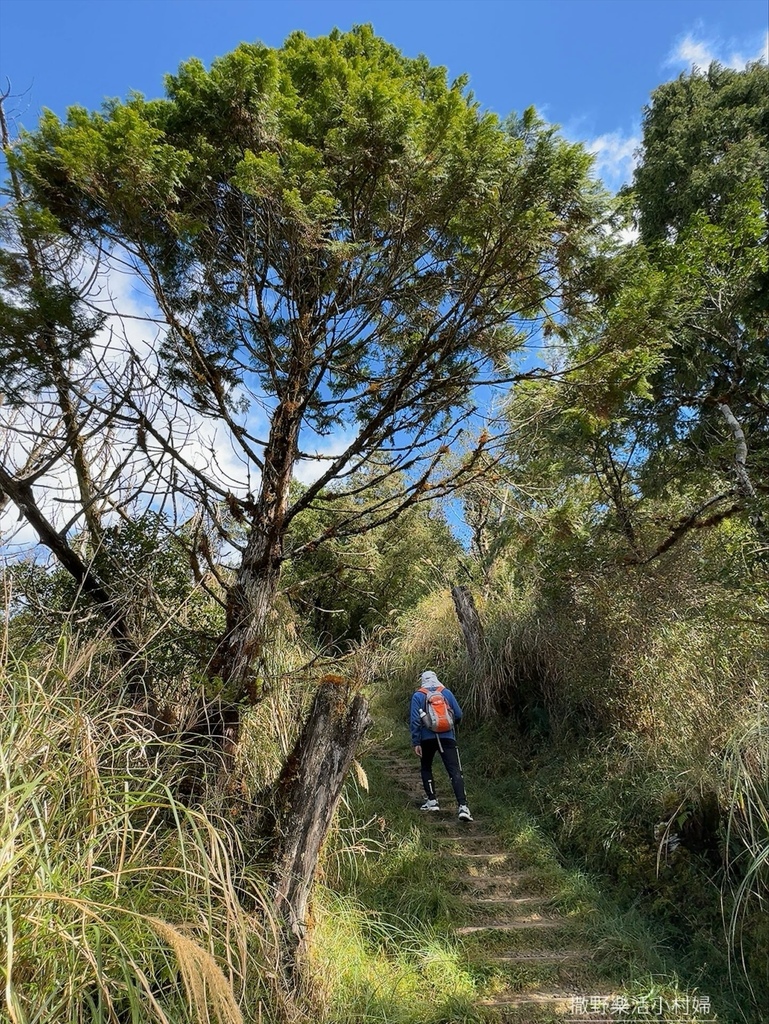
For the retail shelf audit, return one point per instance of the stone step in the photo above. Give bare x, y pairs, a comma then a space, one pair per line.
497, 856
468, 835
502, 901
512, 878
482, 865
466, 845
559, 1002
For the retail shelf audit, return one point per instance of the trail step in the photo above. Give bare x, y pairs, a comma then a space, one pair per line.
487, 881
489, 885
512, 901
558, 1001
496, 856
516, 924
545, 956
468, 835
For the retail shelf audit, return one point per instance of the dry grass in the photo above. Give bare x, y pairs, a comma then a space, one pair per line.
119, 902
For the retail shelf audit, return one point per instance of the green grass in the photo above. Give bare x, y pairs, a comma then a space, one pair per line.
383, 968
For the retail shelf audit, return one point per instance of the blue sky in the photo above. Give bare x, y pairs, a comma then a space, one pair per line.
588, 65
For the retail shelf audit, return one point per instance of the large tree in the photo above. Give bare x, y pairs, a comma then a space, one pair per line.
341, 244
344, 252
701, 193
665, 409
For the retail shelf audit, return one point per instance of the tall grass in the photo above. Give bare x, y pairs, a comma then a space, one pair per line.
746, 773
661, 652
118, 902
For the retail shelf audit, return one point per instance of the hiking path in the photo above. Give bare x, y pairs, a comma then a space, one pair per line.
532, 961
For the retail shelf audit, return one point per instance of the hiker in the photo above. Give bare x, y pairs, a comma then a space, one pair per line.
440, 739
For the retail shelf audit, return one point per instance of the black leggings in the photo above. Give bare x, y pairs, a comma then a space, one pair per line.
450, 756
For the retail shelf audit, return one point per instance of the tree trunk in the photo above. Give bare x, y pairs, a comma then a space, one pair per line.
744, 483
469, 620
251, 598
306, 796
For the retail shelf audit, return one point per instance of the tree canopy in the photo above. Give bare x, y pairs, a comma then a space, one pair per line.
668, 411
340, 243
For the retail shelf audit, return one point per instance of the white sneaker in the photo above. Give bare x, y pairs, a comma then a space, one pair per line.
430, 805
464, 813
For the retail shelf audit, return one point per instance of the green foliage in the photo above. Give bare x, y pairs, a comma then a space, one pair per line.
175, 618
714, 271
359, 583
704, 138
338, 240
378, 968
584, 636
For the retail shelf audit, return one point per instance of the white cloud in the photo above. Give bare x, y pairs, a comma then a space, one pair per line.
690, 51
615, 157
308, 470
694, 49
628, 235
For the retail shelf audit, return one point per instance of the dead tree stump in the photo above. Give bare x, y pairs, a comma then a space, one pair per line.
306, 797
470, 621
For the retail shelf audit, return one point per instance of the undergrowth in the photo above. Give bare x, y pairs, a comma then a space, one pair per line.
386, 915
633, 791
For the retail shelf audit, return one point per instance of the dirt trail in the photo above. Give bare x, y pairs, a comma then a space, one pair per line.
529, 957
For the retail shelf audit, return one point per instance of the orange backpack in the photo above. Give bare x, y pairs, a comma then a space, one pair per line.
437, 715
